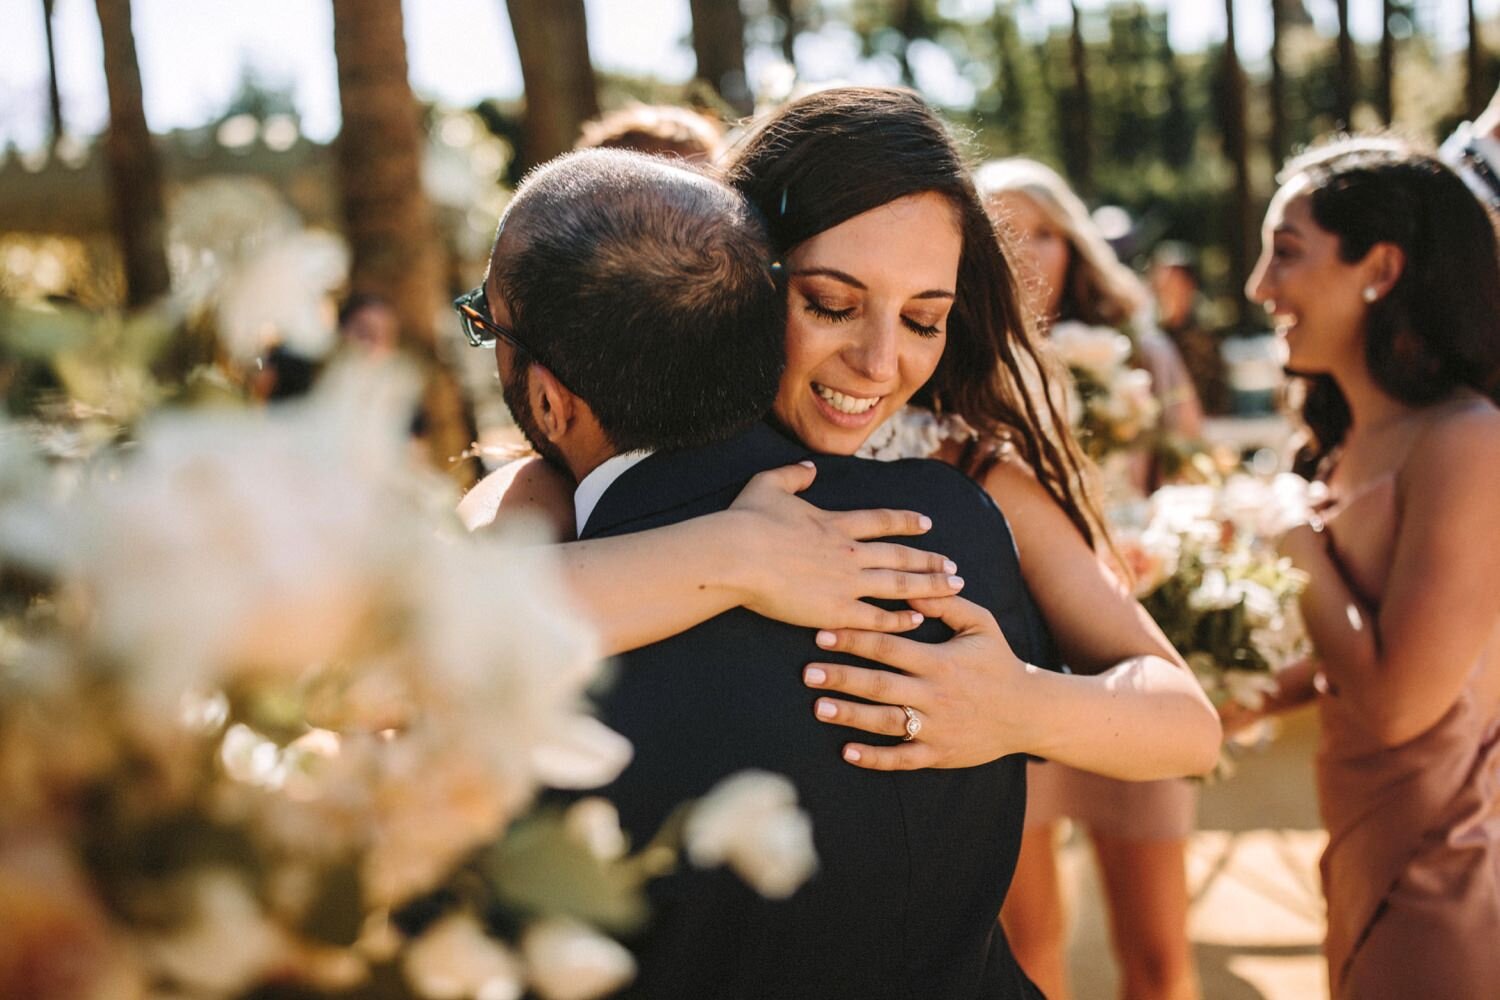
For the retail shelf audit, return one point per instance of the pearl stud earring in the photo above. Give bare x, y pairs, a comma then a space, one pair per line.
1370, 294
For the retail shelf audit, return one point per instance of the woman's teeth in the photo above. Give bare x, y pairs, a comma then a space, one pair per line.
852, 405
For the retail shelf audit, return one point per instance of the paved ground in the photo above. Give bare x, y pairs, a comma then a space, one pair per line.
1257, 914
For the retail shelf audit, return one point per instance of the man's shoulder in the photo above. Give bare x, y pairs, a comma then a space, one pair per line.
867, 483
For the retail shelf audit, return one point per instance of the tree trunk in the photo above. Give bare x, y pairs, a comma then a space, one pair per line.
54, 95
552, 39
134, 168
791, 25
1241, 223
719, 44
392, 238
1386, 97
1347, 89
1082, 168
1277, 95
1474, 95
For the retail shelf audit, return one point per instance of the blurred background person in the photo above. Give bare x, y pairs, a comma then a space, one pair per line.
368, 324
1177, 289
1139, 829
662, 129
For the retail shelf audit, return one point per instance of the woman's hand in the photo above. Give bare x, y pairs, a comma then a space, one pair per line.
954, 688
808, 566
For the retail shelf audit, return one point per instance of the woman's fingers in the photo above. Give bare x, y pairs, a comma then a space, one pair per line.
885, 720
786, 478
890, 555
863, 682
905, 654
911, 756
961, 615
873, 619
893, 585
861, 525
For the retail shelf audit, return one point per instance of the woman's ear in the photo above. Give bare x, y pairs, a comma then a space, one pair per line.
1383, 265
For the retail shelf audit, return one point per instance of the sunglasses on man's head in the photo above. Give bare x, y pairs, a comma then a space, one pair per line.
480, 329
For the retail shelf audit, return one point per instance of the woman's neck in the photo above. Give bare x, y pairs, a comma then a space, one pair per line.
1371, 408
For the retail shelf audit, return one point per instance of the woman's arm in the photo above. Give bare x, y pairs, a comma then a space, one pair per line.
770, 552
1132, 711
1404, 665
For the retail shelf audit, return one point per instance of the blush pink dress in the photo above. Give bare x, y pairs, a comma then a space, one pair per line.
1412, 868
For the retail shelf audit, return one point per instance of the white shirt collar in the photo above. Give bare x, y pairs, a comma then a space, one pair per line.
586, 497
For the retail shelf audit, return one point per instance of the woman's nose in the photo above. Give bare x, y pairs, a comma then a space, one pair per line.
1257, 286
873, 353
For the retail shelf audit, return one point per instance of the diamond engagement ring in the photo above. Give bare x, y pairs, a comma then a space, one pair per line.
913, 724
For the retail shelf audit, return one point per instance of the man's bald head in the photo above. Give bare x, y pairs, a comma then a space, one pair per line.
645, 287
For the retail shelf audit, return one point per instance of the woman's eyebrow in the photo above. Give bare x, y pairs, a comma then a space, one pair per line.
852, 281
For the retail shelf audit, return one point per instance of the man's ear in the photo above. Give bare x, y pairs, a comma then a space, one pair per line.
1384, 265
555, 409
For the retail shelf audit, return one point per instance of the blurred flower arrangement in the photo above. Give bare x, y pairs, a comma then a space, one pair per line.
1110, 405
1204, 564
271, 723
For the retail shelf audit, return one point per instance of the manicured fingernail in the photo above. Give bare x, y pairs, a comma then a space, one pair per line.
826, 639
949, 566
917, 619
851, 755
815, 675
956, 582
807, 464
825, 709
925, 522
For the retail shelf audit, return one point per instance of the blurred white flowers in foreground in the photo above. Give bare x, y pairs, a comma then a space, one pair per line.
259, 692
751, 822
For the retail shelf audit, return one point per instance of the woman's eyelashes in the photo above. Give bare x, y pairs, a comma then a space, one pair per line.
832, 315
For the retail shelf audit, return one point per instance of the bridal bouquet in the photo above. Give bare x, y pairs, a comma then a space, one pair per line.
271, 723
1205, 567
1111, 404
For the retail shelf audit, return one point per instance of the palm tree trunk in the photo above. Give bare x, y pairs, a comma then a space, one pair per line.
1236, 147
54, 95
1082, 169
719, 44
552, 40
791, 25
1386, 97
1347, 89
388, 221
1277, 95
134, 168
1474, 96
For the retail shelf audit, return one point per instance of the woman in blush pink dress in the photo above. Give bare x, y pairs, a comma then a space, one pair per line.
1380, 270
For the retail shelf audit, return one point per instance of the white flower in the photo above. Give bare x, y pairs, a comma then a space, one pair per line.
229, 943
1249, 687
580, 752
751, 822
1096, 350
456, 960
594, 822
567, 960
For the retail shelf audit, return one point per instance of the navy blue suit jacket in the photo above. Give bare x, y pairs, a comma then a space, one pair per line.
913, 865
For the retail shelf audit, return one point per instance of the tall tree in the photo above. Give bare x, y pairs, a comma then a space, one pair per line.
1081, 167
1347, 90
387, 219
1385, 97
719, 45
134, 167
552, 40
787, 13
1277, 95
1474, 95
1236, 147
54, 95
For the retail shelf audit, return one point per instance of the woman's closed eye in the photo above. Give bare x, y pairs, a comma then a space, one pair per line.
921, 329
824, 311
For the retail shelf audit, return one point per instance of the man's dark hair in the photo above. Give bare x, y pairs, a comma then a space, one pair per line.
646, 288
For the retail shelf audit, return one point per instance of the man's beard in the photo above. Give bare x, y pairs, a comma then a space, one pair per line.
515, 391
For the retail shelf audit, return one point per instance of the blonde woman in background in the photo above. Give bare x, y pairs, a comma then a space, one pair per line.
1139, 829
